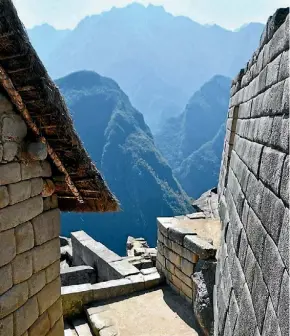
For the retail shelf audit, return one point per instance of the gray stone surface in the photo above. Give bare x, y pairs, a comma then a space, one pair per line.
199, 246
283, 244
249, 268
284, 186
7, 247
13, 128
4, 197
44, 255
10, 173
177, 234
19, 192
78, 275
280, 133
37, 151
48, 295
272, 100
271, 326
285, 99
22, 267
10, 151
283, 307
273, 71
46, 226
6, 278
24, 236
25, 316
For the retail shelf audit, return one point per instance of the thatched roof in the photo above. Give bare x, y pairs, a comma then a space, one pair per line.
80, 187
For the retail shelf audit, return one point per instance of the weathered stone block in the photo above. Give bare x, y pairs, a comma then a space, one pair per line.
25, 316
46, 226
19, 192
271, 326
9, 173
273, 71
31, 170
78, 275
13, 299
272, 213
170, 267
52, 271
283, 245
22, 267
177, 234
6, 324
199, 246
264, 130
173, 257
184, 278
24, 237
254, 193
271, 168
284, 186
187, 267
249, 269
233, 313
49, 295
273, 269
6, 279
163, 225
55, 312
46, 169
280, 133
272, 101
19, 213
284, 66
57, 329
285, 98
260, 296
37, 151
36, 283
46, 254
13, 128
243, 246
7, 247
153, 280
283, 306
4, 197
160, 236
176, 282
10, 151
176, 248
161, 259
36, 186
48, 188
41, 326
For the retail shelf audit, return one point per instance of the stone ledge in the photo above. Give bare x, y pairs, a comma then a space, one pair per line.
200, 247
77, 275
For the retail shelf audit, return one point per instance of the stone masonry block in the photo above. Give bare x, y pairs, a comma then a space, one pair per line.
46, 254
233, 312
41, 326
184, 278
177, 234
10, 151
284, 66
238, 279
260, 296
279, 41
36, 283
253, 158
257, 106
170, 267
273, 71
37, 151
254, 193
36, 186
273, 269
280, 133
272, 213
283, 307
4, 197
55, 312
284, 186
46, 226
6, 324
13, 128
49, 295
24, 237
283, 245
271, 326
262, 79
57, 329
272, 101
31, 170
163, 225
19, 192
271, 168
13, 299
264, 130
176, 248
256, 235
7, 247
199, 246
285, 98
172, 257
19, 213
46, 169
22, 267
25, 316
10, 173
187, 267
160, 237
6, 278
249, 268
52, 271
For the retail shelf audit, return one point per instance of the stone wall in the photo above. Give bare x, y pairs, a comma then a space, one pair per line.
30, 303
188, 265
252, 278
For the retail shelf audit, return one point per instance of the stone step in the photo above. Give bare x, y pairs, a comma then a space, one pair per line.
69, 330
99, 318
82, 328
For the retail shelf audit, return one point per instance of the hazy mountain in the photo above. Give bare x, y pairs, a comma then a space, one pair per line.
121, 144
192, 140
157, 58
200, 170
46, 39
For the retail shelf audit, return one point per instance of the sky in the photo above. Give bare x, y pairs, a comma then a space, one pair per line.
230, 14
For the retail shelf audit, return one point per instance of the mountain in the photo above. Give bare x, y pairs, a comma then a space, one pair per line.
200, 170
192, 140
157, 58
46, 39
121, 144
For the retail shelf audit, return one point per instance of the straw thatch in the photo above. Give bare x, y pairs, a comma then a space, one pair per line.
80, 187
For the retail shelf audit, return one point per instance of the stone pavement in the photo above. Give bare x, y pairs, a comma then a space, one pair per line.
153, 313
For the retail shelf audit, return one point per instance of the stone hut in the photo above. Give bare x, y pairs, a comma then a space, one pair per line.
44, 169
252, 277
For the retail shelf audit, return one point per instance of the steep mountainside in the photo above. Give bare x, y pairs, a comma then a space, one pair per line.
157, 58
198, 123
200, 170
122, 146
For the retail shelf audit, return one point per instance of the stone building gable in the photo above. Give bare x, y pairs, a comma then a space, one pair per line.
252, 278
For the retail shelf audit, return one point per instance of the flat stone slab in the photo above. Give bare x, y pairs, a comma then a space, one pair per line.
199, 246
157, 313
82, 328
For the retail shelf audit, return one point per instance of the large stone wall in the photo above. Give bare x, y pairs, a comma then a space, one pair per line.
252, 278
30, 303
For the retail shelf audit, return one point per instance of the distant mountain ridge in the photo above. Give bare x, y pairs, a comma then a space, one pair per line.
121, 144
157, 58
192, 142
